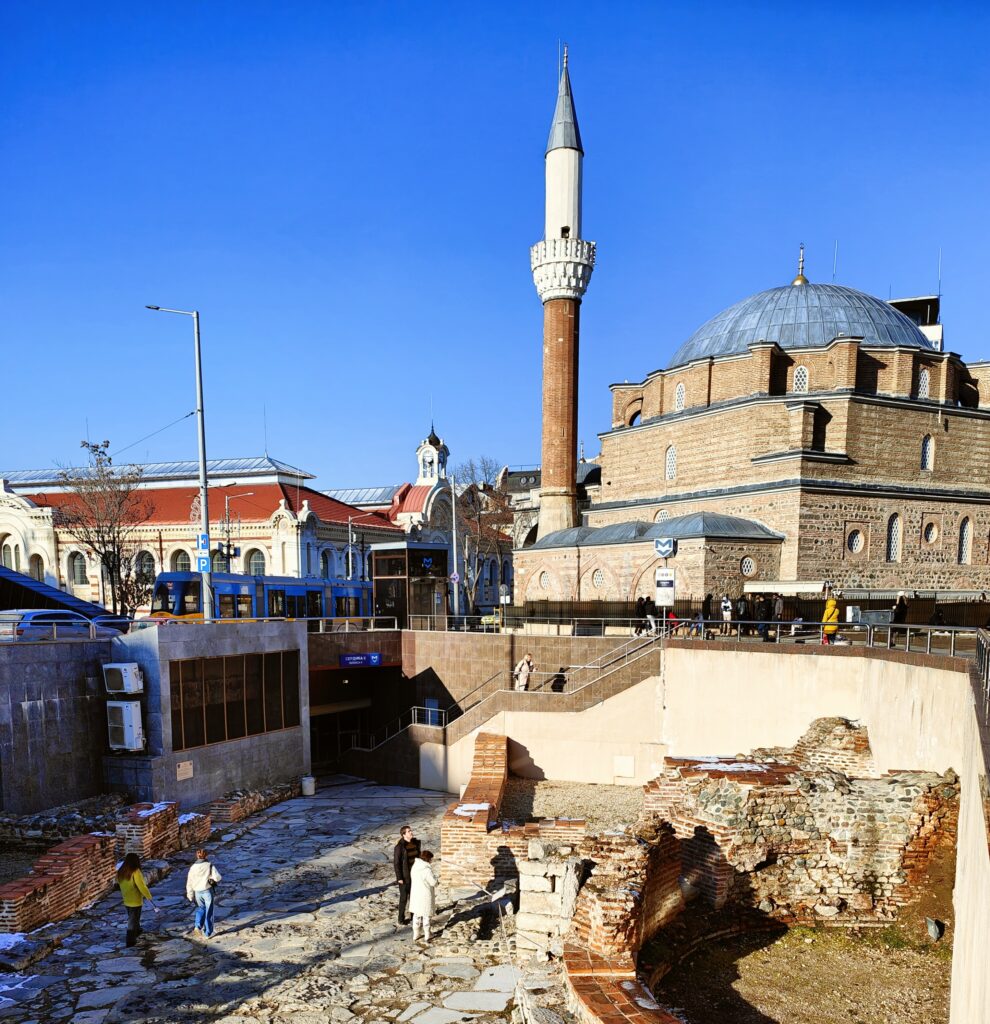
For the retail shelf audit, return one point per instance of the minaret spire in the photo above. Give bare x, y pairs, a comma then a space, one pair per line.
562, 264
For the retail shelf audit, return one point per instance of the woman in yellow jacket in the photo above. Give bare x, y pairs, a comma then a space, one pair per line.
134, 889
830, 621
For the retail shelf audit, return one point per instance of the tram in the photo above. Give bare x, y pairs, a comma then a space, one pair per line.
178, 595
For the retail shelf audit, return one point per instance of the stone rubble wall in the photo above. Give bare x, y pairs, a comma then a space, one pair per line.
242, 804
95, 814
194, 830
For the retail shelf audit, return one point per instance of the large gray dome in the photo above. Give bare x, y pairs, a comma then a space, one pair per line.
801, 316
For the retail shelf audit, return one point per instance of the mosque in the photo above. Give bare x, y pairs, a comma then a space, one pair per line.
810, 432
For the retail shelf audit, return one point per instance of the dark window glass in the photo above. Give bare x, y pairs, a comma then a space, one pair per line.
162, 601
193, 731
273, 691
276, 604
233, 671
428, 563
226, 606
252, 694
216, 725
390, 565
175, 691
314, 604
191, 593
290, 687
244, 606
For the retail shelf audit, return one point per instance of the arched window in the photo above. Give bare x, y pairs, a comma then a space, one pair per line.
927, 451
17, 558
492, 573
662, 516
924, 383
144, 565
326, 566
965, 541
670, 463
36, 567
255, 562
634, 419
7, 556
506, 573
679, 395
894, 538
181, 561
801, 379
219, 561
77, 569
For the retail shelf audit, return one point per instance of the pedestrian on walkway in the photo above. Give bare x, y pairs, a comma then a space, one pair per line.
830, 621
201, 890
726, 607
640, 615
651, 614
423, 895
406, 851
134, 890
521, 673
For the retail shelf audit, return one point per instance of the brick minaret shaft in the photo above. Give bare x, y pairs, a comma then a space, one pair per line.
562, 264
558, 483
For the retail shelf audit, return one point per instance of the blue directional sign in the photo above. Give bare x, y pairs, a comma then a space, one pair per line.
202, 542
371, 660
202, 563
665, 547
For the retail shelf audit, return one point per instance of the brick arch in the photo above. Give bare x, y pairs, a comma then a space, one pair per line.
633, 408
642, 584
534, 592
609, 592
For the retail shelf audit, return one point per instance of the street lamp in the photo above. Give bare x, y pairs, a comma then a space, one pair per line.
350, 542
204, 512
227, 499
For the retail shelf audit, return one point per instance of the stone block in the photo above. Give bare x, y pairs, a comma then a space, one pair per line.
543, 924
548, 903
532, 867
535, 883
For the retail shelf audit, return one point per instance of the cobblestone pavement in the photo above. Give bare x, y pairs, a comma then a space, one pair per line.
306, 934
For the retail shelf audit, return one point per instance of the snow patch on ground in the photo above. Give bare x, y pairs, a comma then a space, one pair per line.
469, 810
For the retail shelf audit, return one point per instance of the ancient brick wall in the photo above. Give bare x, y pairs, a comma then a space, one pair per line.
194, 830
149, 830
241, 804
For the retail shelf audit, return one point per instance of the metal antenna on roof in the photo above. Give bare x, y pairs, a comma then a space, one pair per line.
835, 259
264, 416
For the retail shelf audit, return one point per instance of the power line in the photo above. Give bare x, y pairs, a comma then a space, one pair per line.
152, 434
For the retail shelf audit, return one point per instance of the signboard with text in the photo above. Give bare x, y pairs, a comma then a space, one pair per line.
370, 660
666, 588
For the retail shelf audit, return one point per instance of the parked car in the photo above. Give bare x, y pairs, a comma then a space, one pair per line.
50, 624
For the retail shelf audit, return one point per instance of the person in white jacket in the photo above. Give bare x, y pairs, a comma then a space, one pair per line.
202, 877
422, 895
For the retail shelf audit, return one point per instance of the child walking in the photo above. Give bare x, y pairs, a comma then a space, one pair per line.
134, 890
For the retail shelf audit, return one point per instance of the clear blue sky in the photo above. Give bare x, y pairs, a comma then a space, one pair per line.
348, 193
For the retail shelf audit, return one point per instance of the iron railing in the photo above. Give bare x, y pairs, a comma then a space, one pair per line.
434, 717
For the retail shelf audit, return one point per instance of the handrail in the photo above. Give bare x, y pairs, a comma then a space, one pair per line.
434, 717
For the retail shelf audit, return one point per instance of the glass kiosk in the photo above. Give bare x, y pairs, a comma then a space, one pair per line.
410, 582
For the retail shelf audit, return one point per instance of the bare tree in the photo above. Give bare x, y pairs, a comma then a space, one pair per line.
484, 519
106, 508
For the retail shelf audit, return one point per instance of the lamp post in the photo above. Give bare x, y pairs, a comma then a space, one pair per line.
350, 541
204, 512
227, 499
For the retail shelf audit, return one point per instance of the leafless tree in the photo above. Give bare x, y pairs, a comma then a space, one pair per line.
484, 521
107, 506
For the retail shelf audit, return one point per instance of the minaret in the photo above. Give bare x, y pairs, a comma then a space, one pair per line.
562, 265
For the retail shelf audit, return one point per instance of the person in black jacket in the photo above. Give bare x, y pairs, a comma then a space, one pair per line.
407, 849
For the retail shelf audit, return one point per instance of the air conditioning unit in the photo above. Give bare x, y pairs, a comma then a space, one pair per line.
123, 677
124, 725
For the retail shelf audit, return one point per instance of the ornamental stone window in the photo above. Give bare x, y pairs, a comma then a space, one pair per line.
924, 383
965, 541
927, 452
748, 566
801, 380
544, 580
679, 398
894, 538
662, 516
598, 579
670, 463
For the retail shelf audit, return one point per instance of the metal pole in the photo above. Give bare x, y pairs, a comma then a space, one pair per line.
204, 511
350, 547
453, 517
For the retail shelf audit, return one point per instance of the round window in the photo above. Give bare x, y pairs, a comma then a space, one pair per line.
855, 541
931, 533
662, 516
544, 580
748, 566
598, 579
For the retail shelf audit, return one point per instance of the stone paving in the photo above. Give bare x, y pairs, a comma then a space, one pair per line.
306, 934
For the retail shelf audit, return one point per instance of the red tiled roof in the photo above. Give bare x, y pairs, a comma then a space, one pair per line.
174, 504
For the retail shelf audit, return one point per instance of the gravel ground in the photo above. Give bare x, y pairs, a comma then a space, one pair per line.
811, 977
15, 863
604, 807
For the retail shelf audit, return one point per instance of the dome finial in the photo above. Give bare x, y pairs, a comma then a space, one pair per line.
565, 56
800, 279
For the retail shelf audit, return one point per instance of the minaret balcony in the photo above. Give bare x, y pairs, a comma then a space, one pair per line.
562, 267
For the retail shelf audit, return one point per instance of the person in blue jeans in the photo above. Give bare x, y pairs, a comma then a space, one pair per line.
200, 884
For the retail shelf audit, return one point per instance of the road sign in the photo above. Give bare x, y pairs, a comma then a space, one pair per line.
202, 563
666, 587
202, 542
455, 578
665, 547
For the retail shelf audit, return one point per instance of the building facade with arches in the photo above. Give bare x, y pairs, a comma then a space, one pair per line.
274, 521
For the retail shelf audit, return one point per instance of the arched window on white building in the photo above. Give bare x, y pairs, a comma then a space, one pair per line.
328, 563
255, 562
181, 562
670, 463
219, 561
679, 398
924, 383
927, 452
77, 569
7, 556
965, 541
36, 568
894, 538
144, 565
801, 380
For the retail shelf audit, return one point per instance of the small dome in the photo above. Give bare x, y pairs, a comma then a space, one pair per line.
801, 316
